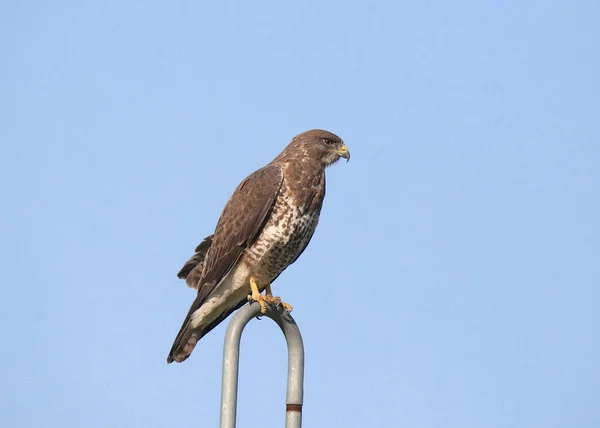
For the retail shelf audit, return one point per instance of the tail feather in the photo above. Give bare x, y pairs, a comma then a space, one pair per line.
188, 336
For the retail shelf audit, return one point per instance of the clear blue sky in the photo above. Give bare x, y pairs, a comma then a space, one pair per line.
453, 280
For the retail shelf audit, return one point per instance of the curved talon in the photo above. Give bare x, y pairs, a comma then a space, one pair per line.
267, 299
271, 300
276, 301
260, 299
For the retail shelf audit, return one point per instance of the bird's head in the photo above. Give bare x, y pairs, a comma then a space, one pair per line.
322, 146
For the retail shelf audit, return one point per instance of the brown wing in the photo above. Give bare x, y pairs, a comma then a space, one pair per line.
238, 227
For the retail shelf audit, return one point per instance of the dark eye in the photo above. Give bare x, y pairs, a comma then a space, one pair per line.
328, 142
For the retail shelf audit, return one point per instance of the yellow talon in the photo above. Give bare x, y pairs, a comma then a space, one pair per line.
256, 296
267, 299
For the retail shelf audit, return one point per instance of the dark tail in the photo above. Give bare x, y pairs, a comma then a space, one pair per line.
188, 337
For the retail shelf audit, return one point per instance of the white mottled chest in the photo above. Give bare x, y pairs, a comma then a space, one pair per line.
285, 226
286, 233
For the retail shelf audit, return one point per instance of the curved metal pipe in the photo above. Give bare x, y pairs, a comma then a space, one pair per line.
231, 358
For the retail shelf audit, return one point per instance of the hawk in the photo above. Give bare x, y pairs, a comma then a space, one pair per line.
265, 226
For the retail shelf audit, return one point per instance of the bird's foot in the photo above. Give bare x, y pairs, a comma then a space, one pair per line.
271, 301
267, 299
255, 296
276, 302
261, 300
287, 308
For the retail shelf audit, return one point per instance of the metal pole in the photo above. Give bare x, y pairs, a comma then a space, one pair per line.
231, 358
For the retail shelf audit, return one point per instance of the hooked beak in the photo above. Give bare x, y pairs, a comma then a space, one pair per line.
344, 152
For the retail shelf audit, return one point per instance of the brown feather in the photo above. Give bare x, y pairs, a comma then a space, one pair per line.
239, 224
241, 221
192, 270
265, 226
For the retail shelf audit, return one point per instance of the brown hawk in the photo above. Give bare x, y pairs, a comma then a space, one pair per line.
265, 226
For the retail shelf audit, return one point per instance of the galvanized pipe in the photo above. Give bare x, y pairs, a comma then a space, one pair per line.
231, 358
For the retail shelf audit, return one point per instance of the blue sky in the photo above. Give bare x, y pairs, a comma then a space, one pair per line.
453, 279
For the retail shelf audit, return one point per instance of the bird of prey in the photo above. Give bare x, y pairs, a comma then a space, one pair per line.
265, 226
